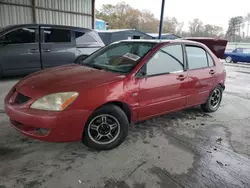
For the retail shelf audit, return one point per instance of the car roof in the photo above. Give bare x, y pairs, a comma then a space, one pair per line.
158, 41
50, 25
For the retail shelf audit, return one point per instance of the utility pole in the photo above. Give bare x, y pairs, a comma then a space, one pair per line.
161, 20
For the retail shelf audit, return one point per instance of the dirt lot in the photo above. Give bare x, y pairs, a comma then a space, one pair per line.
184, 149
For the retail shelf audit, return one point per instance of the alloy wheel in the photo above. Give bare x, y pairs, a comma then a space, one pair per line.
215, 98
104, 129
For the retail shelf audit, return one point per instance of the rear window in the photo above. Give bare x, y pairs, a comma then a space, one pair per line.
197, 57
82, 37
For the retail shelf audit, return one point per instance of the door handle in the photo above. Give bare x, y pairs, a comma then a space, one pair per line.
33, 50
46, 50
181, 77
212, 72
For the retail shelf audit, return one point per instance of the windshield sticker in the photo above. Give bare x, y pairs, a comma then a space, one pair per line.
132, 56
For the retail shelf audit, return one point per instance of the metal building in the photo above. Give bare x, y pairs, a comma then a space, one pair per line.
78, 13
112, 35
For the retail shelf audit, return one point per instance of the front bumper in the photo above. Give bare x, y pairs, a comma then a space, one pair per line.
62, 126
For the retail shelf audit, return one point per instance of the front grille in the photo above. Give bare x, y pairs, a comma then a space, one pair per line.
20, 99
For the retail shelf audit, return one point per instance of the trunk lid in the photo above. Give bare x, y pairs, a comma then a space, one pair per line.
217, 46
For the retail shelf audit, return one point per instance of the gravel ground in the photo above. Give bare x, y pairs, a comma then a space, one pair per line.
185, 149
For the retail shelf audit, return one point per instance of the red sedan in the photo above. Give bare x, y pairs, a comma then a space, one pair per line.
124, 82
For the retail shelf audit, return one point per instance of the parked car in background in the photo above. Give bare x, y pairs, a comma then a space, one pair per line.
127, 81
28, 48
238, 55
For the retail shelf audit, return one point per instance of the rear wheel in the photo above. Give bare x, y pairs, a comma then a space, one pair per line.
213, 101
106, 129
228, 59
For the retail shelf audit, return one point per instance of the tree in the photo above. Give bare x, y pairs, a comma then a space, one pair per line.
235, 25
196, 28
122, 16
171, 25
212, 30
115, 14
148, 23
247, 18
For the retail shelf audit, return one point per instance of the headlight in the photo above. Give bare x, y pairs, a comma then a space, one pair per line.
55, 102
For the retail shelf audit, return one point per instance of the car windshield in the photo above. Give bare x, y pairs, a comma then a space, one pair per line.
119, 57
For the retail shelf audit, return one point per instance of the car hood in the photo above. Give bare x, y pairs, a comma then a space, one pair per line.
64, 78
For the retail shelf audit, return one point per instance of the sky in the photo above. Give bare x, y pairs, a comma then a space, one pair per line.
216, 12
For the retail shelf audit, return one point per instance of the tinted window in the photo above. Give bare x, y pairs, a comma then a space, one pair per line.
196, 57
168, 59
19, 36
210, 60
57, 35
83, 37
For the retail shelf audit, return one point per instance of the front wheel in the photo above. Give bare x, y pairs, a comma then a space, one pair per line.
106, 129
213, 101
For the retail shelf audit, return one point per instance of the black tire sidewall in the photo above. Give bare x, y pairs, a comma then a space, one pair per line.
207, 107
124, 124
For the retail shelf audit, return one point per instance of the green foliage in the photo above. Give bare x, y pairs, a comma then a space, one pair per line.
123, 16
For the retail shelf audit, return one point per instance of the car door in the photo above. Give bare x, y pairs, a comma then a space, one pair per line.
164, 86
201, 74
57, 46
19, 51
246, 53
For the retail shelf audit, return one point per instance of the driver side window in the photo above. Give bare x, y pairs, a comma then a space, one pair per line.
168, 59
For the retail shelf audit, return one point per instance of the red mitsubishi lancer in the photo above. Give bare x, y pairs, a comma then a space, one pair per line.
124, 82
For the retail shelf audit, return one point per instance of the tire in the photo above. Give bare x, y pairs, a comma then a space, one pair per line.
80, 59
210, 105
228, 59
97, 130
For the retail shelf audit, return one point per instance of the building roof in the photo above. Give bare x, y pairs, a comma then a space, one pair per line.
47, 25
114, 30
121, 30
163, 34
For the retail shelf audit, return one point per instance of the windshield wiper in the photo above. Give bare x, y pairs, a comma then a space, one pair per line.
93, 66
103, 68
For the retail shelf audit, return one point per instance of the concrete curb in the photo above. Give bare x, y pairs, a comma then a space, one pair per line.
237, 65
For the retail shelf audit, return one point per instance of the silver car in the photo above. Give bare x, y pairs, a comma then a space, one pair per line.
31, 47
